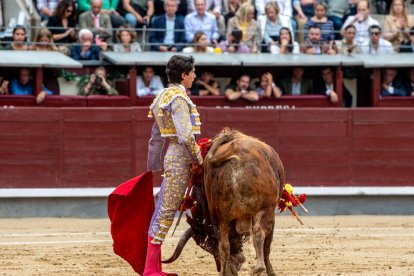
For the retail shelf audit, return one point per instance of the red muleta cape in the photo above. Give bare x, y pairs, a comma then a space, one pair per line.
130, 208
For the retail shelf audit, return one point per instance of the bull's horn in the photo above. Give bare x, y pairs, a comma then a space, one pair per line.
183, 240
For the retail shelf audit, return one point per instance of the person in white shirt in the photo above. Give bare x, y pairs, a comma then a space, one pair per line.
327, 87
362, 21
149, 84
376, 44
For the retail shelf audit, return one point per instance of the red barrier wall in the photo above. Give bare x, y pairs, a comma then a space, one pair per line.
102, 147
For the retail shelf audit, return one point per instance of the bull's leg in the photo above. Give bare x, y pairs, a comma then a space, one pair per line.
266, 251
258, 242
224, 250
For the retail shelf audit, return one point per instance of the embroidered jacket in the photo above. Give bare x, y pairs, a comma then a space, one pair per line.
176, 117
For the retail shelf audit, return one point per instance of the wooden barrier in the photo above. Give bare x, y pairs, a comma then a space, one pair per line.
102, 147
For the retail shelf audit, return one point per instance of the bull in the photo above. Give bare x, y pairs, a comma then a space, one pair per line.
236, 199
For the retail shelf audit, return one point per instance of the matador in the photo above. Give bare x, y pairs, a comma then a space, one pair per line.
176, 120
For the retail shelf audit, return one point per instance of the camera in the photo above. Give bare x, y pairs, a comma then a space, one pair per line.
98, 80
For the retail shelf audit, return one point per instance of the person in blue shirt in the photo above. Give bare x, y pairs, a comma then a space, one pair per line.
85, 50
23, 85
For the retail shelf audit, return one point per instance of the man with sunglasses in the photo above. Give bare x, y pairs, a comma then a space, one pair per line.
376, 45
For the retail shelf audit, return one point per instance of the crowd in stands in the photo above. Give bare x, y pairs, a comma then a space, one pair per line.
83, 29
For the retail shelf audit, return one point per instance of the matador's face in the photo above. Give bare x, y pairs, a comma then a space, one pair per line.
187, 81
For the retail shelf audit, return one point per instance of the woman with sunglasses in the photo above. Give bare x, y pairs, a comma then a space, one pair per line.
63, 22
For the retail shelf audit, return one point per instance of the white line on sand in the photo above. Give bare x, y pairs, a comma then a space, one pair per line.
54, 242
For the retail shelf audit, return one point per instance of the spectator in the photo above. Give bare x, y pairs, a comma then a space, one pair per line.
182, 8
397, 24
336, 11
362, 22
126, 36
23, 85
348, 46
4, 87
213, 7
327, 86
19, 39
98, 22
244, 20
138, 12
206, 85
390, 85
320, 19
167, 30
200, 44
200, 20
109, 7
314, 46
303, 10
267, 88
46, 8
382, 6
241, 89
285, 8
230, 9
408, 47
44, 41
85, 50
297, 84
98, 84
233, 44
285, 43
149, 84
63, 22
409, 84
376, 44
270, 25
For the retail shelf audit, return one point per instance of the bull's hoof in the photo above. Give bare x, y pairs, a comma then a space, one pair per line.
259, 271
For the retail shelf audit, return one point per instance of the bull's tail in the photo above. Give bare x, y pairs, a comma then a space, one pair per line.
223, 154
281, 177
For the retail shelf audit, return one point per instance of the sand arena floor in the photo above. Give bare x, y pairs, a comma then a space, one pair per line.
340, 245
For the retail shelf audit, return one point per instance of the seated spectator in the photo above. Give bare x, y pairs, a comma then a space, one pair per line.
137, 13
85, 50
200, 44
320, 19
149, 84
233, 44
167, 30
44, 41
270, 26
241, 90
206, 85
297, 84
182, 8
200, 20
285, 8
109, 7
397, 25
4, 87
19, 40
382, 6
46, 8
23, 85
285, 43
267, 88
126, 36
409, 83
362, 22
336, 11
98, 84
98, 22
327, 86
303, 10
391, 86
244, 20
230, 8
408, 47
213, 7
376, 44
314, 46
63, 22
348, 46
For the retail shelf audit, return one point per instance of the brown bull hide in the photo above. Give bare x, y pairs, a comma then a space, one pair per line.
243, 179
